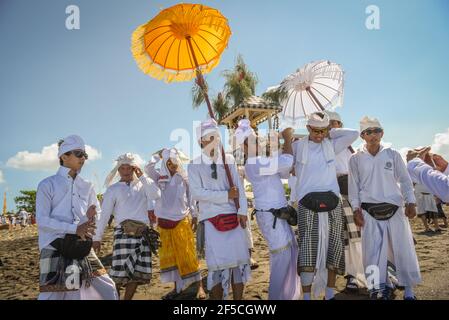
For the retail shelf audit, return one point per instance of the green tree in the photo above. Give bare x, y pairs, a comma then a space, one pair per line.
275, 96
240, 83
27, 200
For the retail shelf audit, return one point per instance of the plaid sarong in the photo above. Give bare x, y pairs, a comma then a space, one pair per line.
58, 274
131, 259
352, 232
308, 237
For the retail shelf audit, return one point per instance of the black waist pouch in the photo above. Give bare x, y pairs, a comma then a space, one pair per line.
320, 201
343, 184
380, 211
287, 213
72, 246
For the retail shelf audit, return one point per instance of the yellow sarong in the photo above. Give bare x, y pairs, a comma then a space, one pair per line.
177, 251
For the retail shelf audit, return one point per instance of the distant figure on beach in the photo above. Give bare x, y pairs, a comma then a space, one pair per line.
66, 211
426, 208
23, 216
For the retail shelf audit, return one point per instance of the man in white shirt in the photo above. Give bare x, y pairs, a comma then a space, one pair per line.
355, 273
321, 221
178, 261
66, 211
128, 200
265, 172
226, 246
378, 187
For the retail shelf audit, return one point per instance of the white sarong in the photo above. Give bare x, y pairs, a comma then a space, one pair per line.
389, 240
284, 279
227, 255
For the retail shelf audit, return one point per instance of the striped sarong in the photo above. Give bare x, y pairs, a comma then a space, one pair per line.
59, 274
131, 259
352, 232
308, 238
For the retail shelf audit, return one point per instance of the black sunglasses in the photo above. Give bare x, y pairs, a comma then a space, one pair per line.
214, 175
79, 154
371, 131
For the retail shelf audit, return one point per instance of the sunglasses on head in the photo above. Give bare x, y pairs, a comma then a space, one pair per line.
214, 175
371, 131
319, 131
79, 154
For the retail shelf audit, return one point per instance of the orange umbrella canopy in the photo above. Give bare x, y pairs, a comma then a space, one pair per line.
161, 46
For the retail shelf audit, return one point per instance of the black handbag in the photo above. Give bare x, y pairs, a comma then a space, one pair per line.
343, 184
72, 246
320, 201
380, 211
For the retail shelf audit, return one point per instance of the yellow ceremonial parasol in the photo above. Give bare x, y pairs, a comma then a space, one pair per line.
180, 43
183, 42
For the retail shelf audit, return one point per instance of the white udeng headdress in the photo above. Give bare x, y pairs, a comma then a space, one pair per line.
206, 127
127, 158
315, 120
243, 131
71, 143
368, 122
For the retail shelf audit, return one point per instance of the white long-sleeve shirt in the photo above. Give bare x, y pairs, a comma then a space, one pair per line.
212, 194
175, 202
435, 181
127, 201
318, 175
342, 162
265, 174
61, 205
379, 178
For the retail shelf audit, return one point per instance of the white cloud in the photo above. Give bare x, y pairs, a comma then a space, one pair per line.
2, 178
47, 159
440, 144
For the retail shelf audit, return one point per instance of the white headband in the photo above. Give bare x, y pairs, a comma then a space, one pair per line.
243, 131
314, 120
127, 158
206, 127
71, 143
333, 116
368, 122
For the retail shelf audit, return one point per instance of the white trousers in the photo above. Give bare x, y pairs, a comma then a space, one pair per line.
389, 240
284, 279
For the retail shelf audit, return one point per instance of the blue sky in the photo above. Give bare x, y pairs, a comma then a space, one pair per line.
55, 82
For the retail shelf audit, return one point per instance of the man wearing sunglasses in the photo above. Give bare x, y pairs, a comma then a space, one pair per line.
67, 205
355, 273
379, 188
320, 214
265, 173
226, 246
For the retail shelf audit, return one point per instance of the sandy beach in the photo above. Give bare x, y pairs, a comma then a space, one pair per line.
20, 270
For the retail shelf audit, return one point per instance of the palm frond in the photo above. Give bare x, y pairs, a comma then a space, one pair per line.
276, 96
240, 82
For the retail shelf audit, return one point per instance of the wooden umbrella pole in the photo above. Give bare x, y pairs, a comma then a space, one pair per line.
350, 148
315, 98
202, 84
